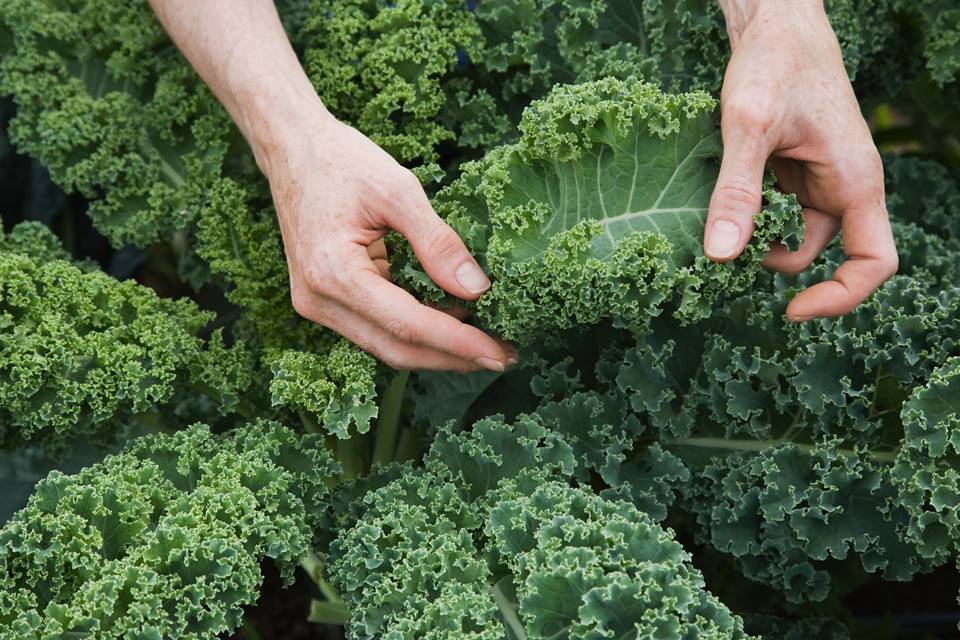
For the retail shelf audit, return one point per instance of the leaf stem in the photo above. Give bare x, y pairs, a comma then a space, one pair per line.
384, 446
409, 446
313, 566
510, 616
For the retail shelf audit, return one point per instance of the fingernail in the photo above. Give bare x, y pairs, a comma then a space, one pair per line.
472, 278
512, 360
491, 364
801, 318
723, 240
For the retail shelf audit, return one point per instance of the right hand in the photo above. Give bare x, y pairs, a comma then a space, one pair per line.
336, 194
786, 99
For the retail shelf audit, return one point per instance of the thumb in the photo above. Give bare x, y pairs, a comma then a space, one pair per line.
736, 198
439, 249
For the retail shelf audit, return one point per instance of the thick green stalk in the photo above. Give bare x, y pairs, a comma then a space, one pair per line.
384, 445
333, 610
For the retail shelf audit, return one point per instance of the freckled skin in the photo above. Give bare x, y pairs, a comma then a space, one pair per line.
787, 101
336, 195
786, 97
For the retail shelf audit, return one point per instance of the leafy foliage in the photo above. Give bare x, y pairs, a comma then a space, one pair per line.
573, 145
940, 20
137, 132
781, 441
597, 212
164, 538
83, 354
396, 71
481, 544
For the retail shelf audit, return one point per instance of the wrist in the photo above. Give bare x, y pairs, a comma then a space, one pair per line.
278, 118
741, 14
272, 101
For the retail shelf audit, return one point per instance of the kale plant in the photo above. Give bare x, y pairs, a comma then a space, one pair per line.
668, 441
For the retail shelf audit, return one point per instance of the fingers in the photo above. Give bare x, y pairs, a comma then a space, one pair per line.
378, 253
401, 316
378, 343
457, 311
440, 250
377, 250
819, 230
737, 196
872, 260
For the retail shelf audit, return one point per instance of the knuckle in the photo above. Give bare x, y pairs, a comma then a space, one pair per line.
313, 279
745, 113
441, 241
864, 169
316, 267
304, 304
400, 330
393, 360
889, 265
740, 193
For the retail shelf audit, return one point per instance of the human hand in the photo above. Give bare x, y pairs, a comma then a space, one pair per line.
786, 99
337, 194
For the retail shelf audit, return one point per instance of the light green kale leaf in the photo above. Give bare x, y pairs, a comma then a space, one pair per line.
334, 390
84, 354
398, 72
163, 540
597, 213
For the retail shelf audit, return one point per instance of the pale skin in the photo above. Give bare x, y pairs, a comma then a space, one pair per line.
786, 99
787, 102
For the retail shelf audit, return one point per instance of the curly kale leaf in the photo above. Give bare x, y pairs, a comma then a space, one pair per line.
923, 192
164, 539
928, 465
597, 213
309, 370
335, 389
107, 104
532, 45
783, 440
36, 241
397, 71
788, 447
439, 80
865, 29
84, 353
490, 541
940, 35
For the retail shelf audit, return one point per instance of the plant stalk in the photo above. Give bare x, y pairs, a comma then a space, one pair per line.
384, 446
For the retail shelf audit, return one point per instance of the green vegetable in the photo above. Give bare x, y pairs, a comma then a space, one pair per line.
597, 212
163, 539
84, 355
136, 131
671, 458
489, 542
